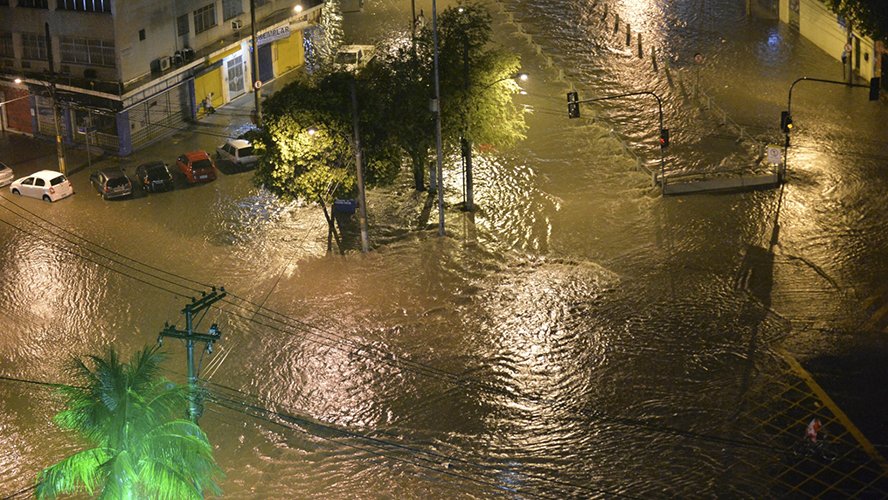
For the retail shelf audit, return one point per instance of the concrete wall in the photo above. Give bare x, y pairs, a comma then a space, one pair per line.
820, 25
159, 23
18, 113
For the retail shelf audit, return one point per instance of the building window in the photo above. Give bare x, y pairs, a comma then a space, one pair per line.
231, 8
6, 45
84, 5
204, 18
87, 51
33, 47
34, 4
182, 25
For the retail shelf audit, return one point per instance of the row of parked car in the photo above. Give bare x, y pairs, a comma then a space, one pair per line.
154, 176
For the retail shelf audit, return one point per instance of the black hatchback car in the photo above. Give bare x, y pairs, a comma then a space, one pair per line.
154, 177
111, 183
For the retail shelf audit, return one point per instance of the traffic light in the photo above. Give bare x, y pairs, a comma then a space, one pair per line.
573, 105
874, 88
785, 122
664, 138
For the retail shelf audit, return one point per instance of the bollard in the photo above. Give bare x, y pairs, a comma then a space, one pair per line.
616, 23
654, 58
640, 51
628, 35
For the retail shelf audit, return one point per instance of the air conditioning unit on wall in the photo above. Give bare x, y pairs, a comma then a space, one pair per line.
236, 25
160, 65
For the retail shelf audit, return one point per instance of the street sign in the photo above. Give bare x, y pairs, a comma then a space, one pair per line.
257, 84
775, 154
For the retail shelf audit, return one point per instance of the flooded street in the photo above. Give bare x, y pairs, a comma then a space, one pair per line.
579, 335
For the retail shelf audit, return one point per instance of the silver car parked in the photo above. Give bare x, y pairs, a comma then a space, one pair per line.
6, 175
238, 151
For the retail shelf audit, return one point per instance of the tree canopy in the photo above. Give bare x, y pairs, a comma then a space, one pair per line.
868, 17
306, 147
126, 411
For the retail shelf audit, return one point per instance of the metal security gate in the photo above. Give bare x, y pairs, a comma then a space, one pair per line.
158, 116
236, 77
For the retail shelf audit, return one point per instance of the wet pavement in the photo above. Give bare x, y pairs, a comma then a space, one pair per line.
579, 336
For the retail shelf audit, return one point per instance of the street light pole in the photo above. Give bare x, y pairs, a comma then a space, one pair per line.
660, 114
257, 93
362, 199
440, 154
782, 175
60, 147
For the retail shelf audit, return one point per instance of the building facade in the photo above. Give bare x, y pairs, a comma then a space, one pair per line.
126, 73
866, 58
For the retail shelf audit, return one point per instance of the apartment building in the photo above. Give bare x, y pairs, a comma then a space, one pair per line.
126, 73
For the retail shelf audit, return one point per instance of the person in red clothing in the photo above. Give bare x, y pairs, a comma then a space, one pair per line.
812, 430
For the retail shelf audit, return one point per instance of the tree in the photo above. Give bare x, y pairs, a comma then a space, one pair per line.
140, 450
403, 82
869, 17
306, 148
475, 80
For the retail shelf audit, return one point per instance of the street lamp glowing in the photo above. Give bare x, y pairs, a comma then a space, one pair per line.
297, 9
18, 81
312, 131
522, 76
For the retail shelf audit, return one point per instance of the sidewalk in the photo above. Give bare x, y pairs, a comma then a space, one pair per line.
28, 154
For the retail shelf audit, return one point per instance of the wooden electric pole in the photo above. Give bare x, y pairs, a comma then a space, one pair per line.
190, 337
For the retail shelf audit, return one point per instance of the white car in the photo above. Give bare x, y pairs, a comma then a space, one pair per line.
238, 151
351, 58
6, 175
47, 185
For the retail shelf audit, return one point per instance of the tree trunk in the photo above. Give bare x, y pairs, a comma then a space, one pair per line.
418, 162
331, 229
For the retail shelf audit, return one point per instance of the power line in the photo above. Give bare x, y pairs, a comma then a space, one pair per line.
106, 249
21, 492
420, 368
336, 341
377, 446
66, 250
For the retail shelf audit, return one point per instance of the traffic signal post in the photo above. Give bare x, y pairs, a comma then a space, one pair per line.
786, 116
573, 111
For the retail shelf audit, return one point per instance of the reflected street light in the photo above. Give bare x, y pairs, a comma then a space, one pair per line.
466, 143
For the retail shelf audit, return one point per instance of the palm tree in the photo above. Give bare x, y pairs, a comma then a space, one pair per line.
128, 412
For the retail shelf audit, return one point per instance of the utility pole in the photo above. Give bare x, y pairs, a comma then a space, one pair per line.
466, 141
257, 84
60, 147
440, 155
362, 200
190, 337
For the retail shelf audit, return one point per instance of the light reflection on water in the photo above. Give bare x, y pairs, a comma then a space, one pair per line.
582, 337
